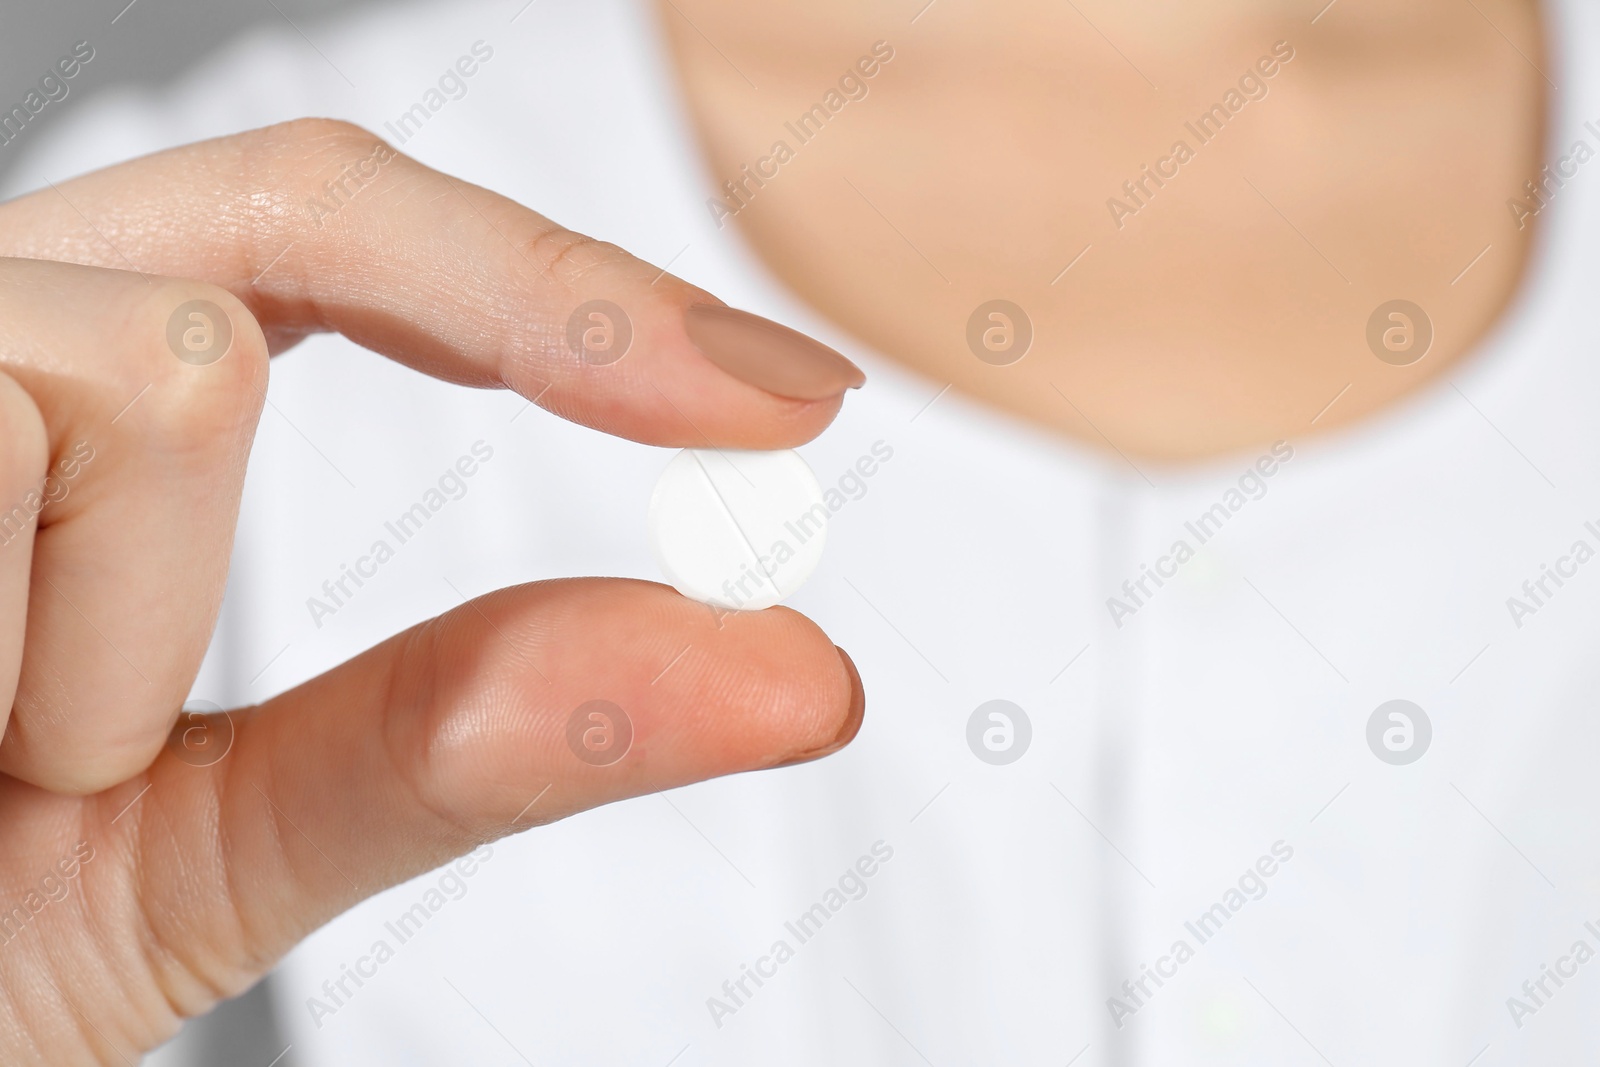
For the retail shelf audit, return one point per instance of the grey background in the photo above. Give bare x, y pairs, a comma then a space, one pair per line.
149, 43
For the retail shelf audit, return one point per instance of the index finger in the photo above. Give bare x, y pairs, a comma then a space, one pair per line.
446, 277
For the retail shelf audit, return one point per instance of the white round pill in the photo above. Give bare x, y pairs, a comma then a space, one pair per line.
739, 530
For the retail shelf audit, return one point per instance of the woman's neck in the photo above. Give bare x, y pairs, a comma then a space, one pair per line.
1184, 301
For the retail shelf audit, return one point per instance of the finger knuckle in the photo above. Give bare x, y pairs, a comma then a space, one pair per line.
568, 256
309, 169
311, 137
451, 767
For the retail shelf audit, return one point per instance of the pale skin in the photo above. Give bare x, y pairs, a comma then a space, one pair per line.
992, 140
1206, 323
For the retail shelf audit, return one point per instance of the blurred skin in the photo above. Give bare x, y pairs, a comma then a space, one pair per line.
993, 139
979, 165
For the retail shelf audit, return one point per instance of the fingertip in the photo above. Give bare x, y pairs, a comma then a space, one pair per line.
663, 363
769, 355
850, 725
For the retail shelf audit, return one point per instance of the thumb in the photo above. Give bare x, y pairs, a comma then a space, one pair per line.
514, 710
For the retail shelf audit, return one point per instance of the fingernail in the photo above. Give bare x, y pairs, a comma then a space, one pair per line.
852, 719
769, 356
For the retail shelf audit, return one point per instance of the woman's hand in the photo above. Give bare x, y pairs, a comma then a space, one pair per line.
141, 882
